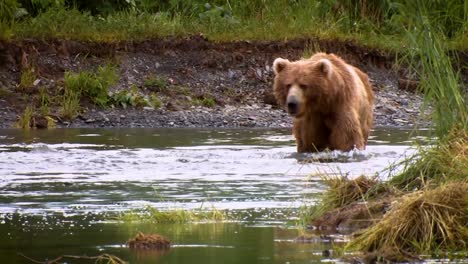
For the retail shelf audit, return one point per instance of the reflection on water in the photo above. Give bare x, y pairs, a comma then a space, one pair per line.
58, 186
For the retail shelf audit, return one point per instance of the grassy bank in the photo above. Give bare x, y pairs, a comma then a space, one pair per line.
372, 23
424, 209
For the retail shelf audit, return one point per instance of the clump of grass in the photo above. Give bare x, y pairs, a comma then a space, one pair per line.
44, 100
155, 101
156, 83
130, 97
206, 101
182, 90
95, 86
440, 83
69, 103
27, 78
7, 15
432, 220
24, 121
4, 92
311, 49
445, 161
343, 191
177, 216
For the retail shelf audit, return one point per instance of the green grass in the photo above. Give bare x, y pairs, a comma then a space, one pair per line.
44, 101
206, 101
27, 78
377, 25
444, 162
24, 121
69, 103
176, 216
440, 83
430, 208
4, 92
156, 83
95, 86
72, 24
130, 97
155, 101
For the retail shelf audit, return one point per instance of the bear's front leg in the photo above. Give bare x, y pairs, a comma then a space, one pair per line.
346, 132
297, 132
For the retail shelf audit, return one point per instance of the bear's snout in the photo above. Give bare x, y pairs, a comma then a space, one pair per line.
293, 105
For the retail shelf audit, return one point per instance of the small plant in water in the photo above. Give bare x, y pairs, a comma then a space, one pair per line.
177, 216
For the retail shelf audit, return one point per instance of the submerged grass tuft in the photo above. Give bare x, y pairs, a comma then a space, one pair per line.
177, 216
421, 222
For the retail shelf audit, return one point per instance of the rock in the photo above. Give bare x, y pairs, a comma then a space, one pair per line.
173, 107
269, 98
408, 85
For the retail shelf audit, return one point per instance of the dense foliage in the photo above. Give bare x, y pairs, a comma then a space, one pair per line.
245, 19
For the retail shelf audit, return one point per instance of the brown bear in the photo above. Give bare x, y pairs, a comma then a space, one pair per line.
331, 102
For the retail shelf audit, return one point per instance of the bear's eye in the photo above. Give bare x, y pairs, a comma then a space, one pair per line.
288, 86
303, 86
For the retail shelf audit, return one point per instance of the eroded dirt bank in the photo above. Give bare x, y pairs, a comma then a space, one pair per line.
236, 75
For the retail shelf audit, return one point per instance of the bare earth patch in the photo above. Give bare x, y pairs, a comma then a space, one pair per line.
199, 83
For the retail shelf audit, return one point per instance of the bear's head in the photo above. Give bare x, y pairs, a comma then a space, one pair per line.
307, 84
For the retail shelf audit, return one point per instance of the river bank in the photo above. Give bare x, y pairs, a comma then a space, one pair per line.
198, 82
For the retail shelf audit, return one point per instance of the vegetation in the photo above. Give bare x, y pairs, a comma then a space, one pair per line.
130, 97
177, 216
427, 221
446, 161
430, 208
24, 120
27, 78
155, 83
206, 101
95, 86
376, 23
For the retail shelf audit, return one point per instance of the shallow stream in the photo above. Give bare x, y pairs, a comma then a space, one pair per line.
62, 190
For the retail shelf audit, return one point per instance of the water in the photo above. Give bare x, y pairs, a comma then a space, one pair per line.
61, 190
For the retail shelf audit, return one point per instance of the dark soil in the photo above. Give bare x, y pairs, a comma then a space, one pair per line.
236, 76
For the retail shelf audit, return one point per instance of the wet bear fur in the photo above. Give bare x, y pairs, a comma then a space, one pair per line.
330, 100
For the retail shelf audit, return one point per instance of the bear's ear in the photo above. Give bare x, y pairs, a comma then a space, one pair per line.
279, 64
325, 66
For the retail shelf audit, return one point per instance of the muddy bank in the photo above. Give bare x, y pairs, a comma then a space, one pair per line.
236, 77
